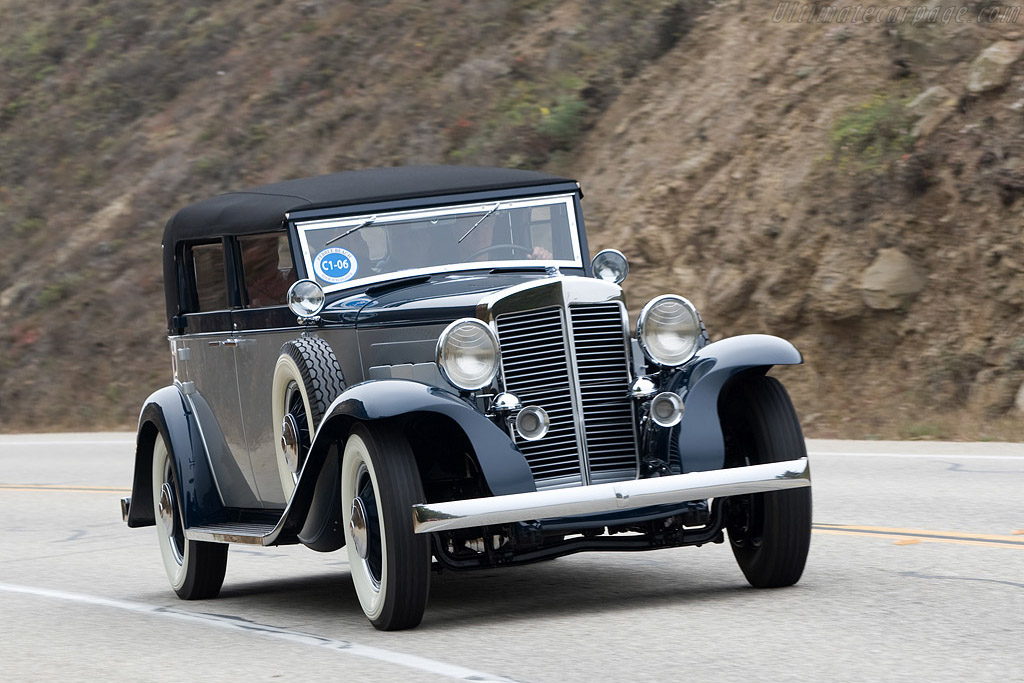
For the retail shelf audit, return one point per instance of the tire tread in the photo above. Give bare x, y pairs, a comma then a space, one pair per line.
205, 580
781, 559
321, 373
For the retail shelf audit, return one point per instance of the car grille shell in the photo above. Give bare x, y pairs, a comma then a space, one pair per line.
570, 357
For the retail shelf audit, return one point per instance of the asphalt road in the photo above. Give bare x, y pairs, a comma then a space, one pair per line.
916, 573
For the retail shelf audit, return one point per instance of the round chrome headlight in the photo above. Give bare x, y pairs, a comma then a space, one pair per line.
467, 353
610, 265
669, 330
305, 298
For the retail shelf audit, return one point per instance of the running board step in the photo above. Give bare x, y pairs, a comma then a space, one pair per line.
230, 532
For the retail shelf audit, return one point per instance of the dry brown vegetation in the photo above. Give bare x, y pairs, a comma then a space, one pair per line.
758, 168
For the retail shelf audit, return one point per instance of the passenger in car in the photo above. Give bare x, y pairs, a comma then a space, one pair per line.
267, 263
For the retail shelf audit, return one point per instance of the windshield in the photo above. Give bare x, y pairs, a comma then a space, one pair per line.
510, 233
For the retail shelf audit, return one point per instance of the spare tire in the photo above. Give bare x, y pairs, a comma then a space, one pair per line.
307, 377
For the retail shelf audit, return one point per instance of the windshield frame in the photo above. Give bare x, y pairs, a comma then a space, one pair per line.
425, 213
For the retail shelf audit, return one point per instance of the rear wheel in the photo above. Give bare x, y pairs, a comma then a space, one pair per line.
770, 533
194, 568
390, 564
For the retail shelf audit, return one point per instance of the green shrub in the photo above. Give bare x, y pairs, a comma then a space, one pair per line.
872, 135
564, 123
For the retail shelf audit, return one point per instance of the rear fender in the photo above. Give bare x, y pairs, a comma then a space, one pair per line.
502, 464
167, 412
699, 434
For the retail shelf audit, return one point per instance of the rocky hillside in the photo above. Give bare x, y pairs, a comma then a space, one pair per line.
854, 186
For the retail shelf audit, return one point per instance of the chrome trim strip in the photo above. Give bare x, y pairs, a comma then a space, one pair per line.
576, 394
558, 291
600, 498
247, 534
199, 335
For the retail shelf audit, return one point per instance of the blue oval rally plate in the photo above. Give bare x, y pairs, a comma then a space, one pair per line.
335, 265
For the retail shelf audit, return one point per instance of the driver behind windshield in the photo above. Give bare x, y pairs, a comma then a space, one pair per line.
491, 240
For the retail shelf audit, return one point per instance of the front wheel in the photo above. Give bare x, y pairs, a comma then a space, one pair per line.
194, 568
770, 533
390, 564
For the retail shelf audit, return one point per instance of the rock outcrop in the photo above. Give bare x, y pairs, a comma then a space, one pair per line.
892, 281
992, 69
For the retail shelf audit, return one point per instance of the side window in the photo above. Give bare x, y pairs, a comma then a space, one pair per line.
210, 277
267, 265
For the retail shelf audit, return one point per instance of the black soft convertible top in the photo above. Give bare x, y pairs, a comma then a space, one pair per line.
262, 209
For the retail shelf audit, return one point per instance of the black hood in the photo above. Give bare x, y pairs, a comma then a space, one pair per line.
441, 298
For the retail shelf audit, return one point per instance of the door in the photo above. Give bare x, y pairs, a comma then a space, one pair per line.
261, 327
210, 375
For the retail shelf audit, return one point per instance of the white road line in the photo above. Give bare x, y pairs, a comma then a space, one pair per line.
4, 443
920, 456
238, 624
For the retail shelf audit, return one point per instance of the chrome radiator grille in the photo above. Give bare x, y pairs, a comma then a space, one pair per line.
592, 438
535, 366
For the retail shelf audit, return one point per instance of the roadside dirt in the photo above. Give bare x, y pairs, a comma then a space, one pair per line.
772, 172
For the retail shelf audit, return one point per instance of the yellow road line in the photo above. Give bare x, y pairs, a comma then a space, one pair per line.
907, 536
901, 536
54, 487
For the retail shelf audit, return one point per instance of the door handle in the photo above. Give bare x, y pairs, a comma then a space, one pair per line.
228, 342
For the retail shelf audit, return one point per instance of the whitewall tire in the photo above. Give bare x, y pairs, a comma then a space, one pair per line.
390, 565
195, 569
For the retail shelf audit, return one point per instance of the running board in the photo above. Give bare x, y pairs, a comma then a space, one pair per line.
231, 532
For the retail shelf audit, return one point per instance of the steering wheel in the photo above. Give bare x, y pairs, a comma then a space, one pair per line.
495, 247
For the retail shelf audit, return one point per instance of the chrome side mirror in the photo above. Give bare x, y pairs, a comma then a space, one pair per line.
306, 300
610, 265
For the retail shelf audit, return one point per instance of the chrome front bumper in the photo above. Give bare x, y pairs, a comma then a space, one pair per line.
599, 498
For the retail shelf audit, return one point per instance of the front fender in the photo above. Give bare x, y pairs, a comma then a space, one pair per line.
166, 412
503, 466
698, 436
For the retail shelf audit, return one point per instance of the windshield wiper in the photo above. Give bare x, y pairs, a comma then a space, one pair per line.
368, 221
479, 222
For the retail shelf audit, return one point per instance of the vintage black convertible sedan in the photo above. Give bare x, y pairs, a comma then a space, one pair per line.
422, 365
